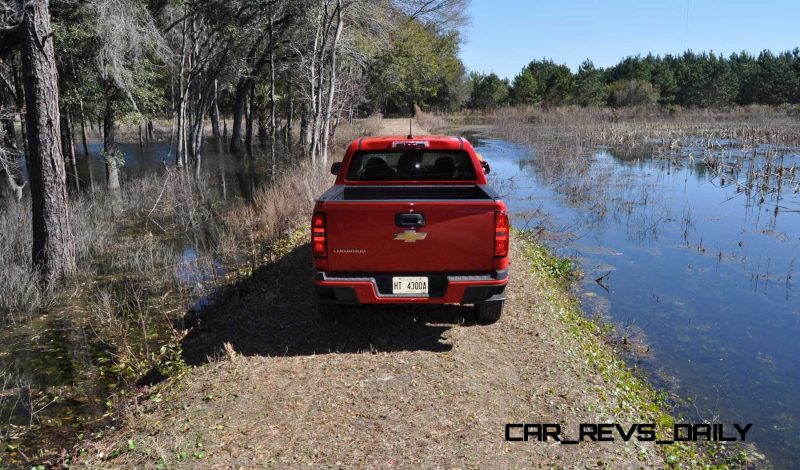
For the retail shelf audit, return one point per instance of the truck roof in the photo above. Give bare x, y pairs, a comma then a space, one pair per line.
433, 142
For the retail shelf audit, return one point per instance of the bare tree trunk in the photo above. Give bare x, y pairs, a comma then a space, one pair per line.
313, 112
305, 128
197, 141
90, 171
244, 88
198, 108
215, 112
83, 132
261, 120
222, 171
73, 160
239, 112
251, 105
53, 250
68, 148
110, 153
180, 152
19, 91
143, 128
287, 134
174, 107
9, 137
8, 179
180, 149
326, 123
197, 127
8, 132
272, 123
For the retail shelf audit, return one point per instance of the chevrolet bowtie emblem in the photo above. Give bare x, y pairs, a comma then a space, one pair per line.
410, 236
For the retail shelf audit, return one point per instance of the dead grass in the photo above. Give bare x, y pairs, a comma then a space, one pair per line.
275, 211
347, 132
102, 225
20, 293
752, 125
431, 122
147, 258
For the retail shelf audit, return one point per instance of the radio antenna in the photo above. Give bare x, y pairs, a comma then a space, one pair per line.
410, 134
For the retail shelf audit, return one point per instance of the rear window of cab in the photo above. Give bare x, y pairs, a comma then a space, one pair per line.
411, 165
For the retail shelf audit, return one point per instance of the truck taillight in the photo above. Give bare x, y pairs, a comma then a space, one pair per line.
500, 234
318, 242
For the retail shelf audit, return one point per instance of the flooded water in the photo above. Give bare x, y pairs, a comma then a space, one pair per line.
680, 259
236, 175
54, 380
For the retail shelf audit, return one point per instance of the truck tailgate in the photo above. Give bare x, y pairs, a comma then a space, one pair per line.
457, 236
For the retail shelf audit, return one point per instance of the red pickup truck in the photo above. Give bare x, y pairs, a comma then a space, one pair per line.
411, 220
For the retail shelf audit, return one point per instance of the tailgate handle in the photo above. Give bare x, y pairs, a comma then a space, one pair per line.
409, 220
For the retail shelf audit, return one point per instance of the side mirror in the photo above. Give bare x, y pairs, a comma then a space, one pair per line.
335, 167
486, 168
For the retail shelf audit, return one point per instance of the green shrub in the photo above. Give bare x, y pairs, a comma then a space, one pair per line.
624, 93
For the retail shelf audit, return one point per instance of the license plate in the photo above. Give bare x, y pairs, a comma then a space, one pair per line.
409, 285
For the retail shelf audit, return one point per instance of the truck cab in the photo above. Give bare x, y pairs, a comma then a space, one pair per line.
411, 220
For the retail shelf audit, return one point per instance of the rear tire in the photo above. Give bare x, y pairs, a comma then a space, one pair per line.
489, 313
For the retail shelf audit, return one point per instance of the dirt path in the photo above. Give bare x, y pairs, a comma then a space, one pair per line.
382, 388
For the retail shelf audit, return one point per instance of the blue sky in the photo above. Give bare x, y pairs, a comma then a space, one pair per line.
504, 35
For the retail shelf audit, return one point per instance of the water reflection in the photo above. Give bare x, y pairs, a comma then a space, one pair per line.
238, 175
693, 264
194, 269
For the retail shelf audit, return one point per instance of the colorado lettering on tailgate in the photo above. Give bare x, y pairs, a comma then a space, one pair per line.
411, 220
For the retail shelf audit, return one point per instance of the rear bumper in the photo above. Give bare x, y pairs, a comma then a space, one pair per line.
357, 289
